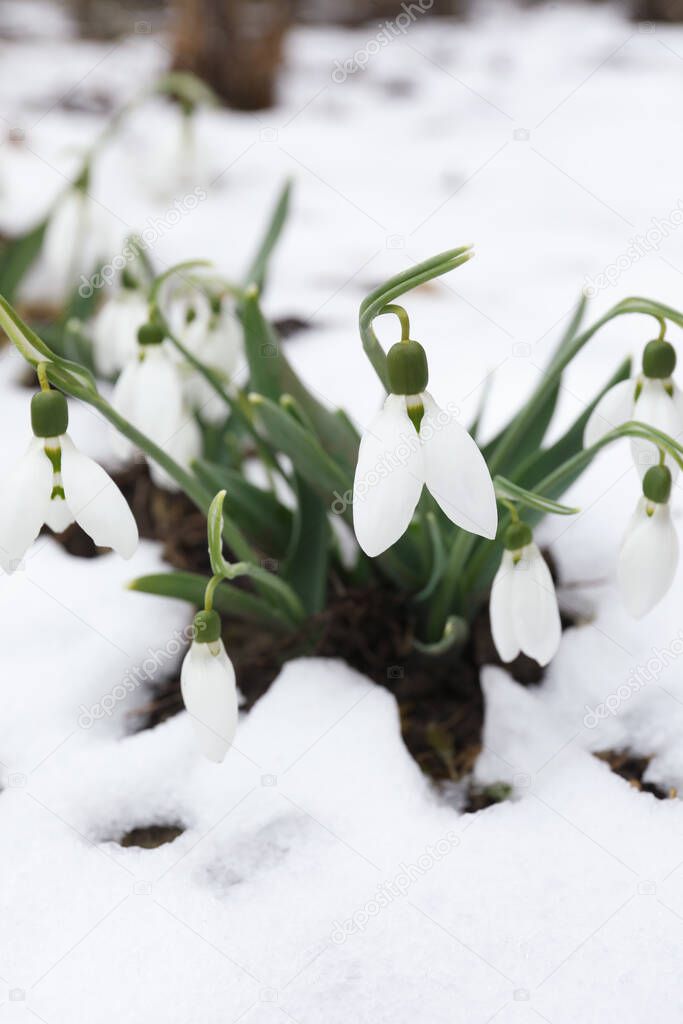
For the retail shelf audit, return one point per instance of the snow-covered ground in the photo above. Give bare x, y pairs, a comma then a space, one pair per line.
319, 876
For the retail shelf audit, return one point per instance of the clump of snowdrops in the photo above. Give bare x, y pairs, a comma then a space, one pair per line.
443, 519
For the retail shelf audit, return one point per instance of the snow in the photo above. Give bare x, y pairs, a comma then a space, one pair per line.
319, 874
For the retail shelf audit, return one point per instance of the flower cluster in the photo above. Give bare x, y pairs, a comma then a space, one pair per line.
439, 517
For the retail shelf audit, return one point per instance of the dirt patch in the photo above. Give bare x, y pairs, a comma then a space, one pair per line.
632, 768
149, 837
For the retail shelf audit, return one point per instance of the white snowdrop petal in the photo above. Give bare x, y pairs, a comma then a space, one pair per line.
659, 410
536, 614
96, 503
115, 329
388, 480
25, 501
500, 610
207, 682
648, 559
183, 447
456, 472
149, 393
614, 408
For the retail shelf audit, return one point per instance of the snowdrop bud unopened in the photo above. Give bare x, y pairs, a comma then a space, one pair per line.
55, 484
649, 552
208, 686
523, 606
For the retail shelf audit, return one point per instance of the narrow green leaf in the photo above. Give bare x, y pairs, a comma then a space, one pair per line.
541, 462
258, 513
259, 265
308, 558
329, 481
228, 598
506, 489
17, 257
271, 375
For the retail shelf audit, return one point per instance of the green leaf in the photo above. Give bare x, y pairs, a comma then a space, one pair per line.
373, 304
541, 462
228, 599
271, 375
506, 489
329, 481
308, 558
259, 265
17, 256
258, 513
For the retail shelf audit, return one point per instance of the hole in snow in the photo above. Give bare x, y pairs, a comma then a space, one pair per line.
632, 768
149, 837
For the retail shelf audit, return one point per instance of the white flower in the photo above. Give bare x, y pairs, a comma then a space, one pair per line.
207, 683
656, 402
77, 240
115, 330
523, 607
56, 484
395, 462
648, 557
216, 341
149, 394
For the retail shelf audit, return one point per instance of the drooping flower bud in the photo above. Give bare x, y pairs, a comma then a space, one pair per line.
208, 686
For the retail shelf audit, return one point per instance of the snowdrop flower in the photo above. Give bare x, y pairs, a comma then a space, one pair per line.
115, 330
649, 552
149, 393
207, 683
55, 484
652, 398
77, 239
523, 604
413, 443
211, 331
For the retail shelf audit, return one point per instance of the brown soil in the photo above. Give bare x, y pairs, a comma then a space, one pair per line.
632, 768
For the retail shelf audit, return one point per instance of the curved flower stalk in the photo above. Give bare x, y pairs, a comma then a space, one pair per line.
523, 606
149, 394
115, 329
55, 484
648, 558
652, 397
413, 443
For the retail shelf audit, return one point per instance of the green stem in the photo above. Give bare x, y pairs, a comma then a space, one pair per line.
373, 305
400, 312
185, 480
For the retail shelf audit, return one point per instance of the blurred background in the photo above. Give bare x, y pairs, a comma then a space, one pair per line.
547, 134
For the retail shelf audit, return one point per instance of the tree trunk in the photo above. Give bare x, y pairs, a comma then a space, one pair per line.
234, 45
